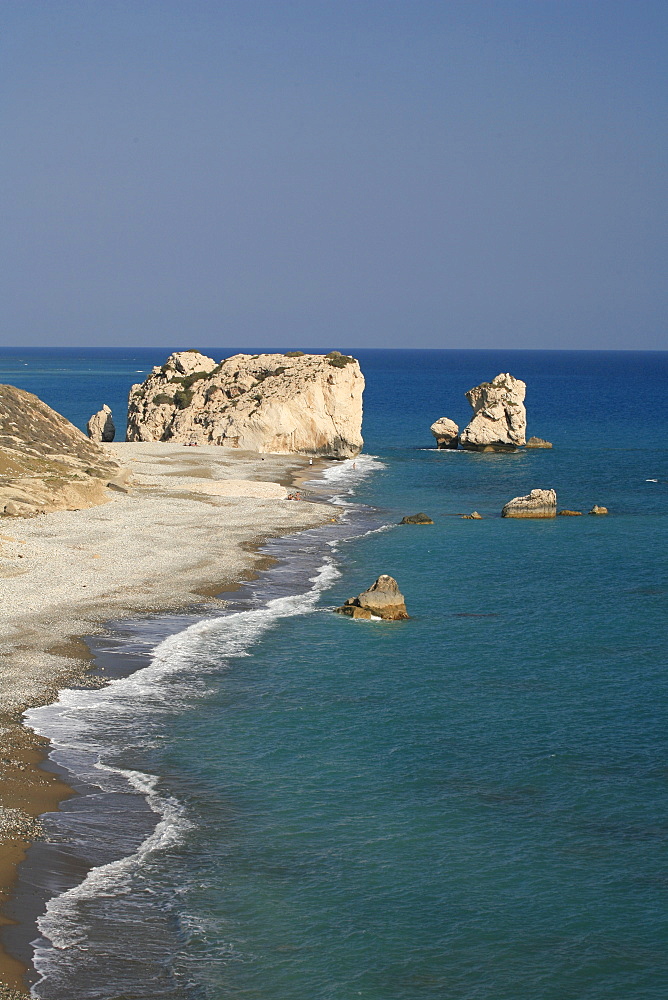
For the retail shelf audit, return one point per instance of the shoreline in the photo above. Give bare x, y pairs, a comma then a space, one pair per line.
188, 529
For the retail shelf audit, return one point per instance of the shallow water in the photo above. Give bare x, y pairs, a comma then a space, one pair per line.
470, 804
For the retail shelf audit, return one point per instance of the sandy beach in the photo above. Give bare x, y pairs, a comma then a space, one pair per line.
187, 528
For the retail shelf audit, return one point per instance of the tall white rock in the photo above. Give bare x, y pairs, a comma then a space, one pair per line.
100, 427
268, 403
499, 421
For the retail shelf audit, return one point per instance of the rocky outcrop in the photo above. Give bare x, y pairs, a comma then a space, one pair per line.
473, 516
100, 427
382, 600
499, 421
446, 432
535, 442
416, 519
538, 503
570, 513
46, 463
598, 510
268, 403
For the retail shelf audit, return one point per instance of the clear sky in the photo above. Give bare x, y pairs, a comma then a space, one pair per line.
370, 173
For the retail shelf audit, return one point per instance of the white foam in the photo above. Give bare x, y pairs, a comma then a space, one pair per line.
174, 677
70, 723
349, 472
361, 466
177, 670
335, 542
60, 923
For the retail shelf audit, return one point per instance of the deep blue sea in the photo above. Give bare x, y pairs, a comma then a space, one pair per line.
279, 803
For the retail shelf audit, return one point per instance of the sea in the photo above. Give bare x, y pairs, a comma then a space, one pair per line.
279, 803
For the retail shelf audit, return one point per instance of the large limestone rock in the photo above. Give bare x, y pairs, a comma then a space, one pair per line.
446, 432
382, 600
278, 403
46, 463
100, 427
538, 503
499, 422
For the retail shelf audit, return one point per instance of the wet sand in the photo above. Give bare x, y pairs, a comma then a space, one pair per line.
26, 791
188, 529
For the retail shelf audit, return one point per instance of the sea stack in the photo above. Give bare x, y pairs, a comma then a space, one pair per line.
499, 421
100, 427
269, 403
446, 432
538, 503
383, 599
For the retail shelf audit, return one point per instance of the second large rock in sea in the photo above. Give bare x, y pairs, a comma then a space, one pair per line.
500, 421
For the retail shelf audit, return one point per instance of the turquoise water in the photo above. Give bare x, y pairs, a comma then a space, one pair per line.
470, 804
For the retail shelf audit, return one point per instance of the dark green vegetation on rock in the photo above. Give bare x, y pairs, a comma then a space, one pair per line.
338, 360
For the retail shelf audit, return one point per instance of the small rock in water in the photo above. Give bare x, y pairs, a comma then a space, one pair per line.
598, 510
570, 513
382, 600
535, 442
446, 432
474, 516
538, 503
416, 519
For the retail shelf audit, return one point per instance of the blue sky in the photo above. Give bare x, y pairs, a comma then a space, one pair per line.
371, 173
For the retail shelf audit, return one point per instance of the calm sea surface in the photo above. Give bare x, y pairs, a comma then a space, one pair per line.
282, 804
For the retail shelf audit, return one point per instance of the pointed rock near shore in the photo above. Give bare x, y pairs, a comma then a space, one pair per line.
538, 503
270, 403
499, 421
382, 600
101, 427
